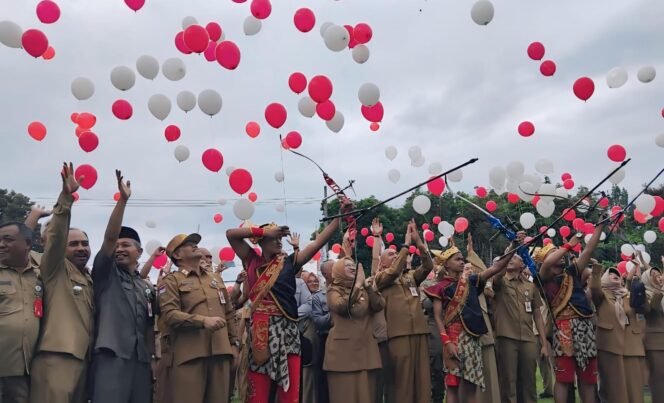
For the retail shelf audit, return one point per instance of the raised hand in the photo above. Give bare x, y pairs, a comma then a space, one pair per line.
376, 227
469, 244
123, 187
40, 211
278, 232
69, 182
294, 240
414, 234
159, 251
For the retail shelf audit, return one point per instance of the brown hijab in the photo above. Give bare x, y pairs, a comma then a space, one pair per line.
339, 275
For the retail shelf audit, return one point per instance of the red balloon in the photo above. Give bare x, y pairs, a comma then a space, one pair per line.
304, 20
48, 12
253, 129
227, 254
364, 231
526, 129
568, 184
622, 268
588, 228
564, 231
536, 51
481, 192
196, 38
548, 68
252, 197
565, 176
80, 130
228, 54
389, 237
74, 117
461, 224
211, 51
34, 42
240, 181
373, 113
88, 141
320, 89
316, 256
393, 247
584, 88
75, 196
535, 200
180, 44
569, 214
336, 248
640, 217
297, 82
172, 133
425, 226
412, 249
160, 261
659, 207
135, 4
513, 198
362, 33
546, 241
616, 153
37, 130
374, 126
428, 235
122, 109
604, 202
491, 206
86, 120
436, 186
212, 159
326, 110
116, 196
49, 54
261, 9
660, 224
294, 139
284, 145
86, 175
214, 31
578, 224
275, 114
436, 220
352, 42
369, 241
218, 218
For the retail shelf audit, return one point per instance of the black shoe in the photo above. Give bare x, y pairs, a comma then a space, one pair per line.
545, 395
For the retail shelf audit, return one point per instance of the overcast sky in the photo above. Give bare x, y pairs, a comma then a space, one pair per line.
456, 89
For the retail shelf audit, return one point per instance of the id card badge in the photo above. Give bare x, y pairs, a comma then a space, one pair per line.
148, 298
413, 291
529, 306
221, 296
149, 309
39, 304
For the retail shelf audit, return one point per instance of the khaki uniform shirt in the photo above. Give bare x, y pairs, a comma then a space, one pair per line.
403, 310
67, 326
654, 339
186, 299
19, 326
515, 302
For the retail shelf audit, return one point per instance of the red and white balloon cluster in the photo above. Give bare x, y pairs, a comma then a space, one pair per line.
33, 41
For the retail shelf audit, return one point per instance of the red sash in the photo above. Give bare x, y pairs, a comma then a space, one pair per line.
457, 302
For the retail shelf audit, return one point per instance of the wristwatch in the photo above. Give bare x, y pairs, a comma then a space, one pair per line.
236, 343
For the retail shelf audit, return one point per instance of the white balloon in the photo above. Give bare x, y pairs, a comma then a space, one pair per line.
307, 107
394, 175
534, 179
435, 168
414, 153
181, 153
551, 232
649, 236
210, 102
646, 257
147, 66
174, 69
616, 77
482, 12
640, 247
602, 236
160, 106
324, 28
562, 192
360, 53
455, 176
526, 190
150, 224
418, 162
221, 201
229, 170
629, 266
390, 152
515, 169
617, 177
626, 249
443, 241
82, 88
587, 237
527, 220
646, 74
659, 140
279, 176
11, 34
336, 38
243, 209
497, 175
369, 94
252, 25
547, 191
421, 204
152, 246
545, 208
186, 100
645, 203
544, 166
337, 122
446, 229
188, 21
123, 78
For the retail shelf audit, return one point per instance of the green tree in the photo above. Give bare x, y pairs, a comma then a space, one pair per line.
15, 207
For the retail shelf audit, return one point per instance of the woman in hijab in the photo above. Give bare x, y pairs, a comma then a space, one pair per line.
352, 359
621, 354
654, 340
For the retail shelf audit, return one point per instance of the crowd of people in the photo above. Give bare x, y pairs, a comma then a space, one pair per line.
422, 325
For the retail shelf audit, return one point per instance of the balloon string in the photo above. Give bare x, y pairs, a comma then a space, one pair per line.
283, 170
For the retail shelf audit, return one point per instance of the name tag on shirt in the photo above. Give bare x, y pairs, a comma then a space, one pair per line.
413, 291
222, 299
529, 306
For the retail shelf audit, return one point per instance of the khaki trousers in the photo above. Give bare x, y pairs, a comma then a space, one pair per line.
518, 364
655, 361
58, 378
491, 393
202, 380
347, 387
410, 380
14, 389
621, 378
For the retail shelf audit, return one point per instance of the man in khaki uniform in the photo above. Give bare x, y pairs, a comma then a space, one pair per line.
516, 305
20, 311
407, 329
198, 311
60, 366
